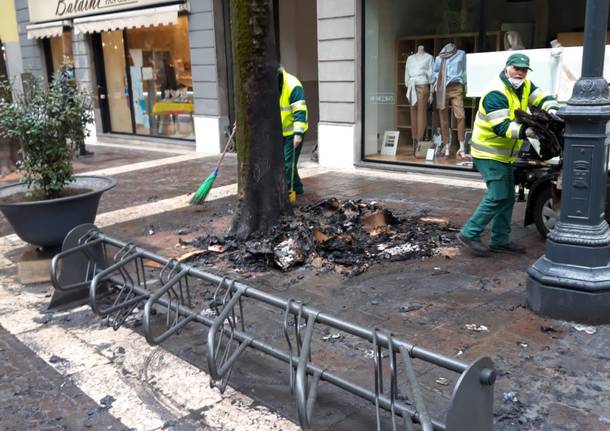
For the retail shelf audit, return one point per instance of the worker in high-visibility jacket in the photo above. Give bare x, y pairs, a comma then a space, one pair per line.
496, 140
293, 111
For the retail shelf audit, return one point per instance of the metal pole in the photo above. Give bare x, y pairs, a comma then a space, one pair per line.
572, 280
596, 26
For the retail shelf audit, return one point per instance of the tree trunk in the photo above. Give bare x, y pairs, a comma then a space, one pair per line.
262, 190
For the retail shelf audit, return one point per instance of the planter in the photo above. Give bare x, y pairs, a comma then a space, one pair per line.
46, 223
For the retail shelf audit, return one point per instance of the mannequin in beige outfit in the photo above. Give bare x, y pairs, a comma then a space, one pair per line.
418, 77
449, 81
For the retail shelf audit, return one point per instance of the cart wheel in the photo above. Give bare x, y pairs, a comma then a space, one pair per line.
545, 216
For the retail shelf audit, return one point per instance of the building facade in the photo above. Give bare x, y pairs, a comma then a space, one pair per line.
10, 60
387, 81
152, 65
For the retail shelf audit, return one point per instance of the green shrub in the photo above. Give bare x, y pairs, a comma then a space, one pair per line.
49, 122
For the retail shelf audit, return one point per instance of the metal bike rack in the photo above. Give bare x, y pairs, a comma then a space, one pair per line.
114, 275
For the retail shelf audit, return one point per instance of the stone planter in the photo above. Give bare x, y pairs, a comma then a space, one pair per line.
46, 223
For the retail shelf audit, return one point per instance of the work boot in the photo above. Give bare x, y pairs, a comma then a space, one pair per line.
476, 247
511, 247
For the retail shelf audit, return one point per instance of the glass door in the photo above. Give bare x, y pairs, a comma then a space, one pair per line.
3, 73
117, 82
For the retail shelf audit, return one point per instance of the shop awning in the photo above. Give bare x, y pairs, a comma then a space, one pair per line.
165, 15
48, 29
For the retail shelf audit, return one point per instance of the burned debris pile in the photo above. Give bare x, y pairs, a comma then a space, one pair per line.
342, 236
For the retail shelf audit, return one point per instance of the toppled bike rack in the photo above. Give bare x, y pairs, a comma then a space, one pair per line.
96, 263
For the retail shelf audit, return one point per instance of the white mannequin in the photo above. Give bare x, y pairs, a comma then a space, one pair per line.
418, 77
556, 48
418, 70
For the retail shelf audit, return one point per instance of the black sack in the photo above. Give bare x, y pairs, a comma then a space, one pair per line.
548, 128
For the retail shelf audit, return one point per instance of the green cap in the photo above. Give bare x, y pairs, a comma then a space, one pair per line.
519, 60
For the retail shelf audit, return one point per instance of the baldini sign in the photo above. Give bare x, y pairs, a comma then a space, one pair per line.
51, 10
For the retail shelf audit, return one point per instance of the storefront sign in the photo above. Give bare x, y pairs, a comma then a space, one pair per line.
382, 99
51, 10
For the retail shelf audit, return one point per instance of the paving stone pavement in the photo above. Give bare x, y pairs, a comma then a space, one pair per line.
34, 396
561, 376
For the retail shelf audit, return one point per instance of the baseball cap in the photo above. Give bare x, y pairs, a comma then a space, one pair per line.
519, 60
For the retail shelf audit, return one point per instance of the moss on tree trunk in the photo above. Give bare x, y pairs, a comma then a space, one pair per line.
262, 188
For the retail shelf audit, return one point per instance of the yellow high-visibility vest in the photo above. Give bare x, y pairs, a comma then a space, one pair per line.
287, 110
485, 144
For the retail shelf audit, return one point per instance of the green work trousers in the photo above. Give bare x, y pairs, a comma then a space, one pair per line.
497, 205
289, 153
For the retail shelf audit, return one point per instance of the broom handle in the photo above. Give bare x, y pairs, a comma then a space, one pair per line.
224, 152
292, 177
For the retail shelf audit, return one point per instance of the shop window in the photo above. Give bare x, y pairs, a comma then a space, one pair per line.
149, 82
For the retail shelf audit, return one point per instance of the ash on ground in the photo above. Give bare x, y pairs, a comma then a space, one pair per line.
342, 236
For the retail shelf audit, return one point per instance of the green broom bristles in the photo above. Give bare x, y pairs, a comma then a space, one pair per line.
204, 189
206, 186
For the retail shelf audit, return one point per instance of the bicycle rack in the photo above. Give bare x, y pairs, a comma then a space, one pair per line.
118, 283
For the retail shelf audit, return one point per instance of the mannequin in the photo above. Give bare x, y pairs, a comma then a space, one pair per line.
556, 48
418, 77
512, 41
449, 81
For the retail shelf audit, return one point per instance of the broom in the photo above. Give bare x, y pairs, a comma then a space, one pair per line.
206, 186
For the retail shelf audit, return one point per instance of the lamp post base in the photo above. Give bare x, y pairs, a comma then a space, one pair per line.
580, 294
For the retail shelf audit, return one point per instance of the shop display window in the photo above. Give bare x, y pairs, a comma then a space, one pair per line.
149, 81
415, 62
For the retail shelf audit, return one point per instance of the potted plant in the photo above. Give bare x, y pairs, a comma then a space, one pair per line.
49, 123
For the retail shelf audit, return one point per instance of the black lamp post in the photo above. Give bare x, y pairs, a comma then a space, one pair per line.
572, 280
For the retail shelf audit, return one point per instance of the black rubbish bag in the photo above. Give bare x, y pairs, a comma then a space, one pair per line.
549, 129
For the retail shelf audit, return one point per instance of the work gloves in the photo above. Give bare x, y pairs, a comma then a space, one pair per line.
554, 116
529, 132
543, 127
296, 141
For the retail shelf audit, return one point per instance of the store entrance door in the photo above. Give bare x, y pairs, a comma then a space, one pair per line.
3, 73
113, 82
117, 82
102, 92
